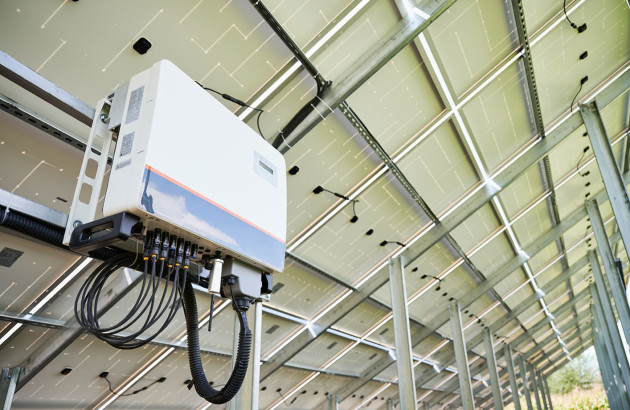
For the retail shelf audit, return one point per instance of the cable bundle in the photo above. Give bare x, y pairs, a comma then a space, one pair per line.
151, 306
165, 257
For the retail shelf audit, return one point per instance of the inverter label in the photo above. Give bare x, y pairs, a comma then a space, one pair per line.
135, 101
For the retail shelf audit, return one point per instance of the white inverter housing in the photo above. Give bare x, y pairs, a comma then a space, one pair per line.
184, 163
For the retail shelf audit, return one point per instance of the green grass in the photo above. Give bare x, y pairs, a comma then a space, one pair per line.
578, 399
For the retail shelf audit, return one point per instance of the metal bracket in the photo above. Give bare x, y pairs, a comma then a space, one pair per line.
105, 231
90, 182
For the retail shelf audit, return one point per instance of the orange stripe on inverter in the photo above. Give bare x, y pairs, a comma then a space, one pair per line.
192, 191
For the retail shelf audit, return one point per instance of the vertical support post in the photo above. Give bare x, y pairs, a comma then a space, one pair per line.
247, 397
461, 357
546, 387
8, 380
526, 392
541, 388
492, 369
402, 334
600, 298
603, 369
535, 387
333, 402
612, 391
507, 354
610, 346
616, 285
609, 169
389, 405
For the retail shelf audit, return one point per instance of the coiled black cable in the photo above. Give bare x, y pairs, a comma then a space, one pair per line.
86, 304
203, 388
150, 307
144, 310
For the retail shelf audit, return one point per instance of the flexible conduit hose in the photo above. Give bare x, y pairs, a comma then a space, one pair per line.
200, 381
31, 227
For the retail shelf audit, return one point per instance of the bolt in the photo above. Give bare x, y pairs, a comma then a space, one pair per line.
77, 223
104, 118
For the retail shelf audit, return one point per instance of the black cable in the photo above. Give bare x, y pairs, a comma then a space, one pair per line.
144, 310
564, 7
109, 384
283, 399
258, 124
319, 189
576, 94
199, 380
577, 167
237, 101
354, 211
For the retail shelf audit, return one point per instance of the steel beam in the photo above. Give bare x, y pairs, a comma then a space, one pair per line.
506, 269
541, 389
363, 130
547, 392
607, 378
492, 369
532, 376
613, 341
552, 367
45, 89
33, 209
498, 275
538, 326
507, 354
547, 288
558, 348
29, 319
574, 351
535, 110
340, 310
624, 154
525, 382
616, 285
8, 381
609, 169
563, 329
527, 303
453, 385
34, 119
606, 362
516, 169
461, 356
402, 334
601, 298
420, 381
367, 65
602, 326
